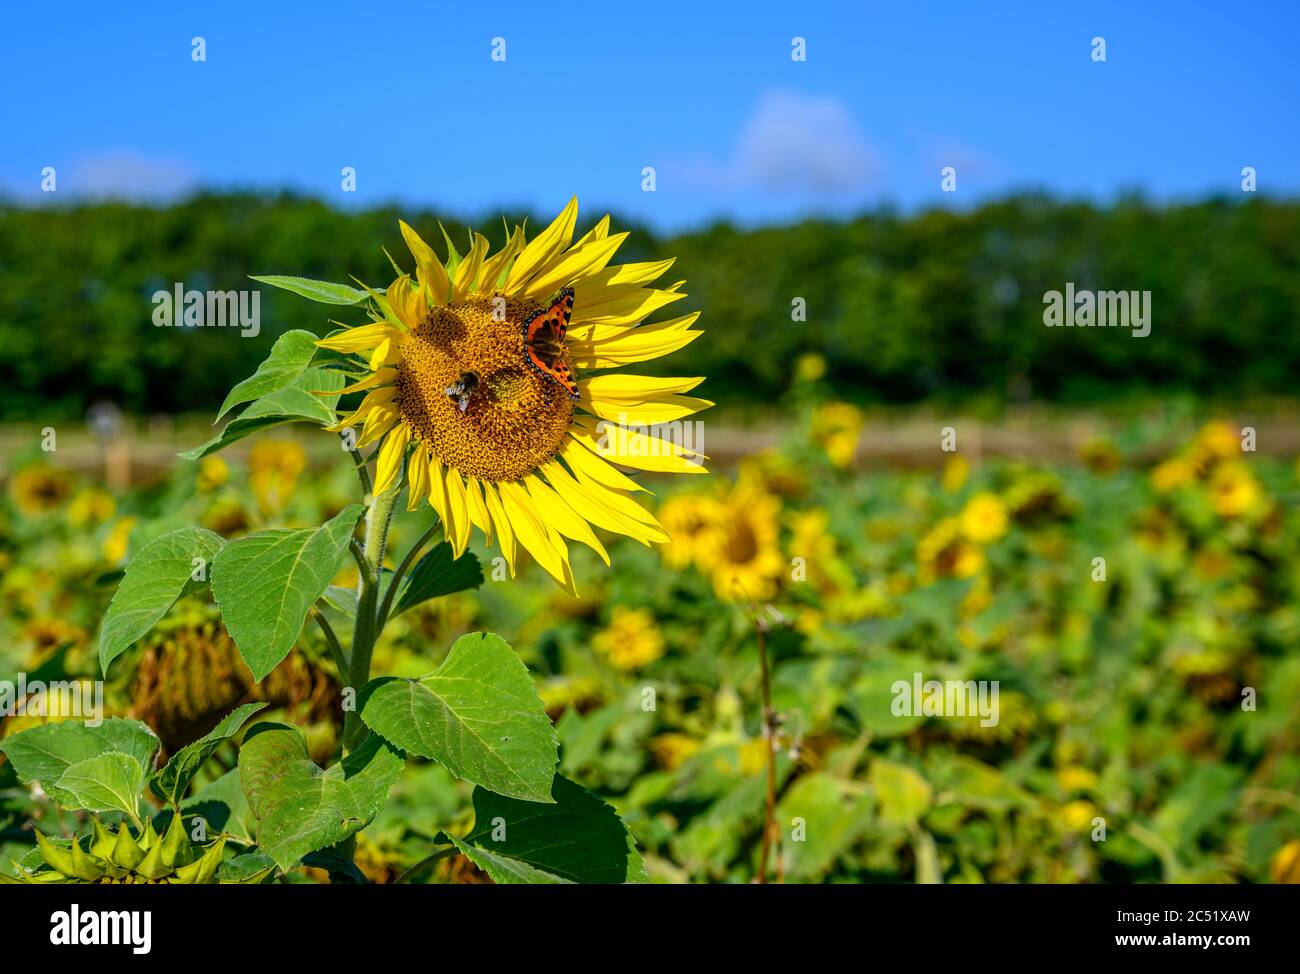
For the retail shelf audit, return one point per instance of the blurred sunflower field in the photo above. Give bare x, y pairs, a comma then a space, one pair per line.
1138, 613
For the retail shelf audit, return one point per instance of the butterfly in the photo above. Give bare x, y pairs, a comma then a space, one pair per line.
460, 391
544, 346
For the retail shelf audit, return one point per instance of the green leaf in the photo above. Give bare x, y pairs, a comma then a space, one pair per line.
222, 805
42, 754
904, 796
266, 583
438, 574
170, 783
301, 808
289, 358
478, 714
109, 782
834, 814
322, 292
250, 868
294, 403
157, 576
576, 839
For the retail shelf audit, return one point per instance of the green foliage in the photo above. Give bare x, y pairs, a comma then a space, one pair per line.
576, 838
945, 304
171, 783
478, 714
301, 808
266, 583
161, 573
49, 753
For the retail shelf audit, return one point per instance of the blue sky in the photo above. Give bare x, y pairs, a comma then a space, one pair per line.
706, 93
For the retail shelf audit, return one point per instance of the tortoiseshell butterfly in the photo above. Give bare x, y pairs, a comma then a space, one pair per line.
460, 391
544, 346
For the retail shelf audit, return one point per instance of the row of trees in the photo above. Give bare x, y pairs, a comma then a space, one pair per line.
902, 307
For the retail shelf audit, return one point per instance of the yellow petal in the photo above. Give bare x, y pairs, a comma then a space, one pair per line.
629, 447
495, 267
467, 270
619, 305
559, 515
391, 455
429, 268
407, 302
478, 512
438, 493
381, 419
362, 338
369, 382
598, 232
581, 496
550, 242
372, 401
417, 477
574, 265
504, 531
380, 354
633, 345
533, 533
459, 511
654, 412
581, 460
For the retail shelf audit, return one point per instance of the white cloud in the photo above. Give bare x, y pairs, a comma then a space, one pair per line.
129, 176
795, 144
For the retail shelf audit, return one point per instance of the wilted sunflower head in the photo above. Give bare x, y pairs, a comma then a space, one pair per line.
489, 378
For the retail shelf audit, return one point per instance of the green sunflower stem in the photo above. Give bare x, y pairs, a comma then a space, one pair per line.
368, 626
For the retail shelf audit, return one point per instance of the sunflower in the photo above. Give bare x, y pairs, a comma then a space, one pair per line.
694, 524
631, 641
483, 433
747, 563
984, 518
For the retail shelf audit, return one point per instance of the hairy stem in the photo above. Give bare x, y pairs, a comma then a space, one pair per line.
387, 604
769, 737
366, 630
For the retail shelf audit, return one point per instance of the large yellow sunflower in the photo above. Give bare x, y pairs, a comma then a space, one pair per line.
491, 440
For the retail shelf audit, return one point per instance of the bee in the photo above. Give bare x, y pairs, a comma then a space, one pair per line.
460, 391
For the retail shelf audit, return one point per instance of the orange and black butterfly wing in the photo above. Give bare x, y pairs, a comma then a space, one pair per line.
544, 347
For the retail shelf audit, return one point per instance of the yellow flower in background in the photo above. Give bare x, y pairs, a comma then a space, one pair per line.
694, 526
984, 518
1234, 491
753, 756
810, 367
115, 545
48, 634
90, 506
945, 553
1076, 779
837, 428
1217, 440
1284, 867
747, 561
955, 471
631, 640
672, 750
40, 489
213, 473
501, 434
273, 470
1172, 473
1076, 816
1100, 456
